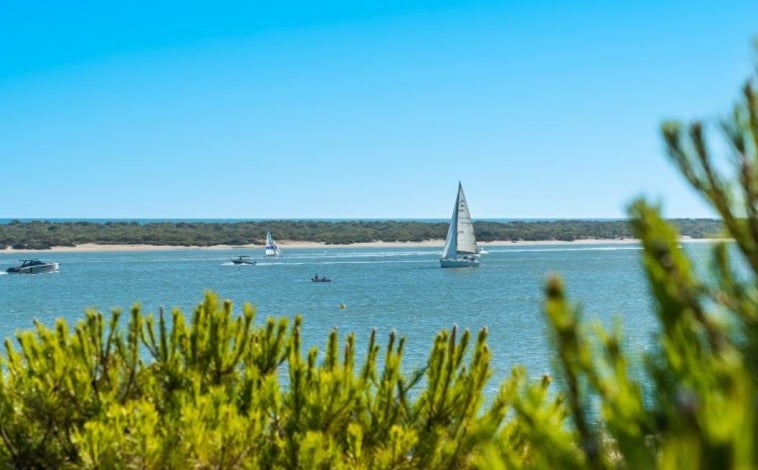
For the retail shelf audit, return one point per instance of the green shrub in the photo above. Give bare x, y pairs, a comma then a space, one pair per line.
207, 393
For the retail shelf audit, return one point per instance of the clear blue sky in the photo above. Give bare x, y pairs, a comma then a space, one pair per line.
332, 109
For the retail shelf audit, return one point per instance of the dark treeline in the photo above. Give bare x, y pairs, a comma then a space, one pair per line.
44, 234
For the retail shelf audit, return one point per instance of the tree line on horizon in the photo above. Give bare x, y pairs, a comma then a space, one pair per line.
40, 234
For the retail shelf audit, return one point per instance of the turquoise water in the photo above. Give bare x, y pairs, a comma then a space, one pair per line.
382, 288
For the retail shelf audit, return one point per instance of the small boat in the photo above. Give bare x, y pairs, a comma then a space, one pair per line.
33, 266
271, 248
243, 259
316, 278
460, 249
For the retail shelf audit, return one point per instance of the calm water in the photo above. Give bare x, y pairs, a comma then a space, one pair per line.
383, 288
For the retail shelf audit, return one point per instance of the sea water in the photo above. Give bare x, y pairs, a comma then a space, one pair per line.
382, 289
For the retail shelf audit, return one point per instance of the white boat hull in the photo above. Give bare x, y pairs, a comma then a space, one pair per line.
460, 262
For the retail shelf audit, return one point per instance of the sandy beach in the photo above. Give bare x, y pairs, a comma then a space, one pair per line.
294, 245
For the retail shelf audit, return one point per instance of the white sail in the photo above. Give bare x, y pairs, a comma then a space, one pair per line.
271, 248
451, 241
466, 237
460, 245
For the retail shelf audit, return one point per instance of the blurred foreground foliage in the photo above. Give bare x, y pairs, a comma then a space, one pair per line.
216, 391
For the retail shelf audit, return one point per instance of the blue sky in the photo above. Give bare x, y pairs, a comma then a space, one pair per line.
332, 109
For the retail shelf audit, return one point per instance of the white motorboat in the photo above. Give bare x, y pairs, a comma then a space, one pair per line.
33, 266
243, 259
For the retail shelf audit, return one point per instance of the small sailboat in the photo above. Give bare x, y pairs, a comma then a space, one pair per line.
460, 249
271, 248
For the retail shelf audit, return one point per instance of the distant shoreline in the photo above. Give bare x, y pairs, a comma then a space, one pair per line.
296, 245
295, 234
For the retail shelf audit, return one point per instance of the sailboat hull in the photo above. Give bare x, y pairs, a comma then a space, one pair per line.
467, 262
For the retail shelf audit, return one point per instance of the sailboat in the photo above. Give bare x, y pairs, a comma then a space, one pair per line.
271, 248
460, 249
